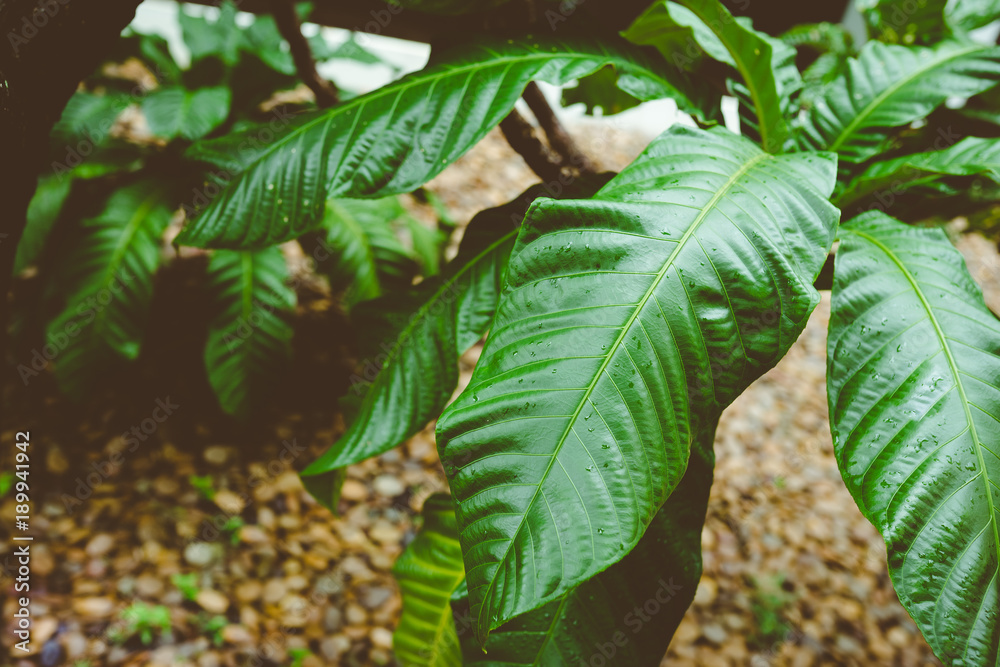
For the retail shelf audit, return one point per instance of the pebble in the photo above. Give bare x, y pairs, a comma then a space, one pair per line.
355, 614
149, 586
381, 638
714, 633
333, 619
100, 545
229, 501
353, 491
384, 532
374, 598
388, 486
274, 590
199, 554
212, 601
249, 590
706, 592
236, 634
294, 610
334, 647
216, 454
93, 607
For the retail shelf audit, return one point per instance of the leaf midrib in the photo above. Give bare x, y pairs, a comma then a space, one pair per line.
416, 80
695, 224
955, 371
893, 89
741, 65
132, 228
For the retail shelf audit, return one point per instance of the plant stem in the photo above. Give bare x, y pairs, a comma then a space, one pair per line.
521, 136
559, 139
288, 24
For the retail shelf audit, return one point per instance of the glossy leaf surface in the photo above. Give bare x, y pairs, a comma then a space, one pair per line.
413, 341
42, 213
176, 112
366, 258
625, 319
913, 385
391, 140
111, 274
766, 67
968, 157
427, 573
888, 86
627, 614
249, 339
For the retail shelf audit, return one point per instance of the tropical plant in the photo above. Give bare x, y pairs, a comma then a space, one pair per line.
621, 314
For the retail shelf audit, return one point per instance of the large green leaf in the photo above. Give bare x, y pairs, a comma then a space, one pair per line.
174, 111
413, 342
766, 66
625, 320
914, 403
885, 180
249, 339
391, 140
888, 86
689, 32
628, 613
427, 573
111, 276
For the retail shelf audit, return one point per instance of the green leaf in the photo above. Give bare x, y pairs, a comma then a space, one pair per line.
154, 52
766, 67
628, 613
414, 340
888, 86
599, 89
913, 389
905, 21
249, 339
965, 15
111, 274
42, 214
220, 38
177, 112
821, 37
366, 257
87, 117
927, 171
389, 141
427, 573
348, 50
624, 320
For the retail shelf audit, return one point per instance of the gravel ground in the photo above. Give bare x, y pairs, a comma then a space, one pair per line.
209, 523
